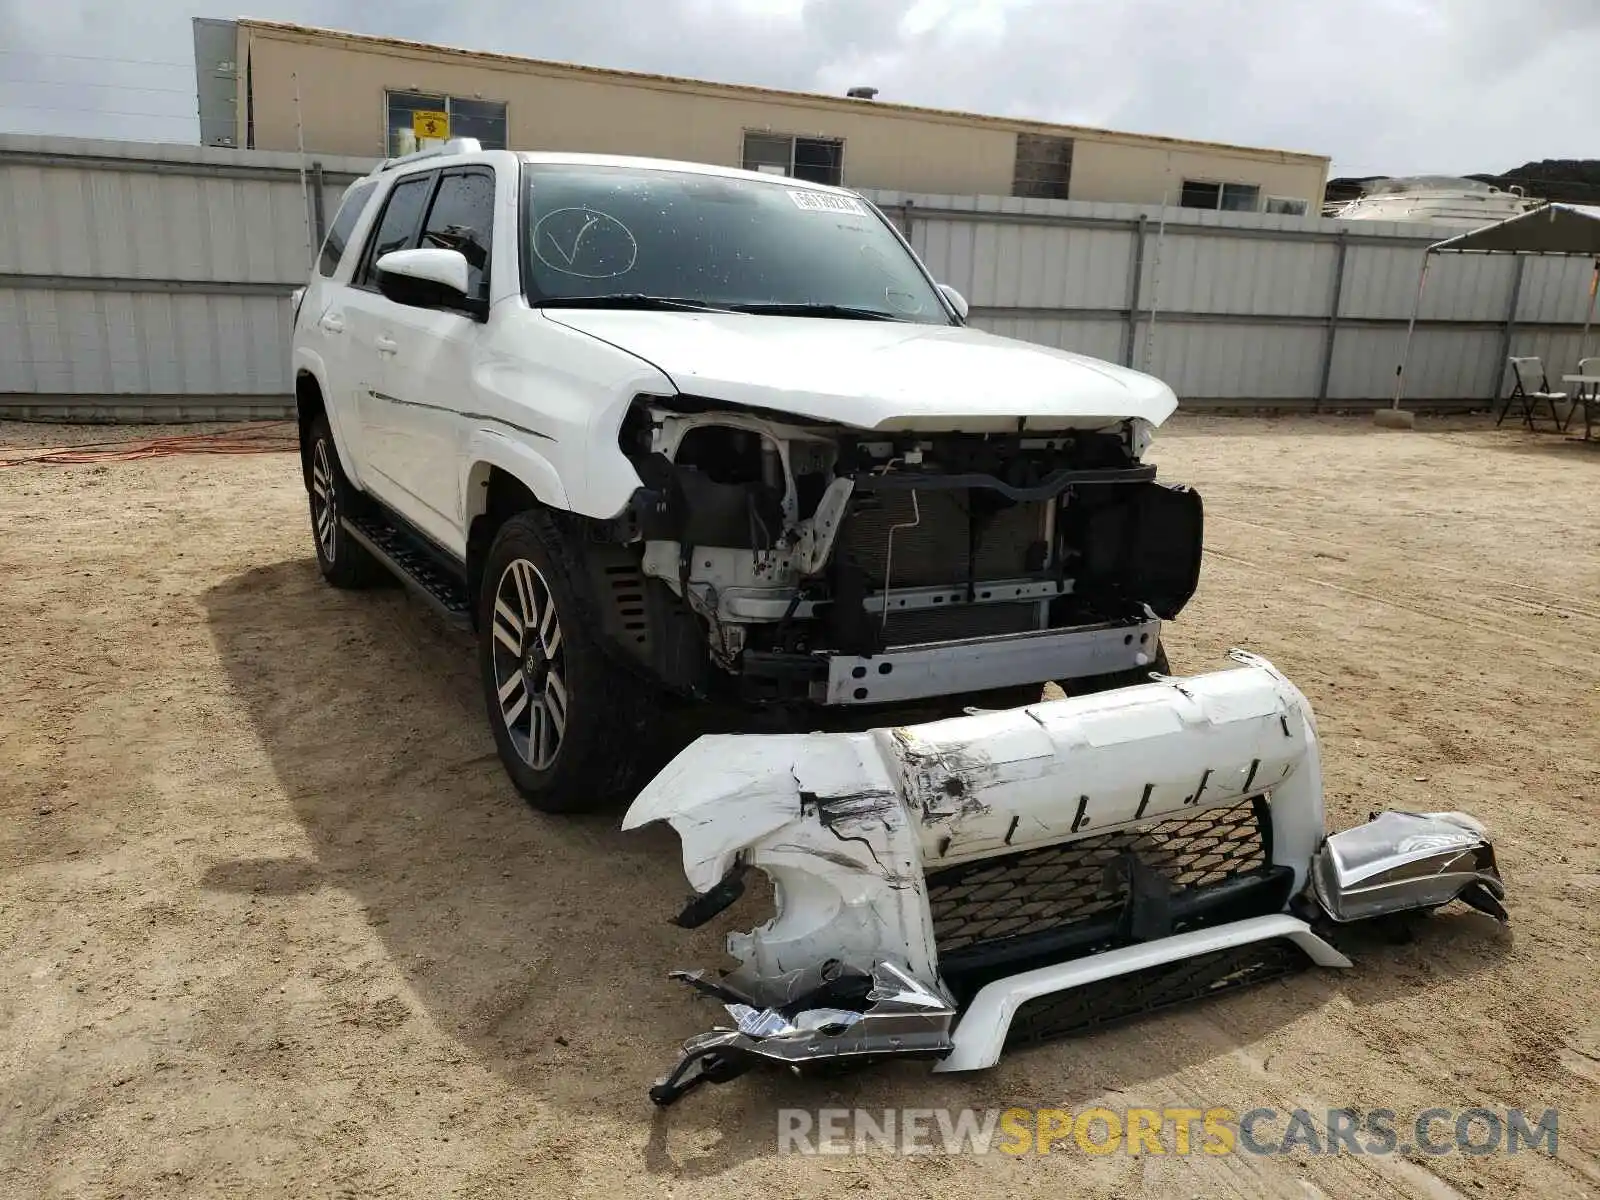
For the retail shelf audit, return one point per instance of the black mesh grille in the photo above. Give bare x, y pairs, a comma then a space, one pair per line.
1040, 891
1123, 997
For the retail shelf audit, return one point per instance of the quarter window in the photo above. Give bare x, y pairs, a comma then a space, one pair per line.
462, 218
398, 225
344, 222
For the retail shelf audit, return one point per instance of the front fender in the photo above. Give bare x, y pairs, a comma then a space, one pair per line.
487, 447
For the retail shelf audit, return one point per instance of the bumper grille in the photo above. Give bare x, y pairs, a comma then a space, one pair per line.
1039, 893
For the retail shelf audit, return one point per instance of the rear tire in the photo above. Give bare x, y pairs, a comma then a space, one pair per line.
570, 724
343, 561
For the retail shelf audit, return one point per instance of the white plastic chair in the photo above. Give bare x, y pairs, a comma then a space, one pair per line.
1588, 396
1531, 386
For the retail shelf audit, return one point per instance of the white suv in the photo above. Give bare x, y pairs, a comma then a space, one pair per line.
656, 429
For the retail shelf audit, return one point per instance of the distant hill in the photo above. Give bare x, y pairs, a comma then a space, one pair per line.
1565, 180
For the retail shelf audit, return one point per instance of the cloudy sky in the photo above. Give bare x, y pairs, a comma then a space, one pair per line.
1383, 86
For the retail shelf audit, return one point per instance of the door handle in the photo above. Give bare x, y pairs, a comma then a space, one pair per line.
387, 345
332, 323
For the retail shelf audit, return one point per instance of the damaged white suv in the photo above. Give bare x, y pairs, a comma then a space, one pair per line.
668, 429
657, 429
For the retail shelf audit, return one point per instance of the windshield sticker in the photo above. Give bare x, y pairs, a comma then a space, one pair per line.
827, 202
584, 242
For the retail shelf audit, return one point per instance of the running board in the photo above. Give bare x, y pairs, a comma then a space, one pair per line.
414, 566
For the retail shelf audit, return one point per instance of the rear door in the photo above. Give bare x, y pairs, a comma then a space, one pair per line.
369, 332
322, 325
428, 377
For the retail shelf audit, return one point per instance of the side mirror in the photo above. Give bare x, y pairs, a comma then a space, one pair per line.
428, 278
957, 300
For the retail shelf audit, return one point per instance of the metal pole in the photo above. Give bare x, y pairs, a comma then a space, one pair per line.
1155, 285
1588, 317
1333, 321
319, 218
305, 191
1411, 328
1509, 328
1135, 286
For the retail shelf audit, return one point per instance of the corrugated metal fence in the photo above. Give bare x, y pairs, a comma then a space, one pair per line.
151, 282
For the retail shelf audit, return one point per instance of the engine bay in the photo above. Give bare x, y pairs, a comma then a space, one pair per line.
789, 542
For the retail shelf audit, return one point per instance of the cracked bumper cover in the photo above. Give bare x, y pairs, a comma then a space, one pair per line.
851, 827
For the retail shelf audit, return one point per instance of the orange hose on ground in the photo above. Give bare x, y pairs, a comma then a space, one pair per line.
263, 438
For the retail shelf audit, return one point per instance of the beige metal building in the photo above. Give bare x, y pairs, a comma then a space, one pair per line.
271, 86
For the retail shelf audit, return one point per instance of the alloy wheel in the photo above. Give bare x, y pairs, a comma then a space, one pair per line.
529, 664
324, 502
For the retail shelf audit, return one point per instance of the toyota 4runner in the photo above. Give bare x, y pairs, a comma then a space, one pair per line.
654, 428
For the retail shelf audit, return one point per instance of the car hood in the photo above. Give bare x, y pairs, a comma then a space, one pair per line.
878, 374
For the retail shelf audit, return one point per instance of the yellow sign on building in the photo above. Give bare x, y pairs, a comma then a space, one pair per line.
435, 125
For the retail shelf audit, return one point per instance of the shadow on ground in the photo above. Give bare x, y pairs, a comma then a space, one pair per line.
542, 943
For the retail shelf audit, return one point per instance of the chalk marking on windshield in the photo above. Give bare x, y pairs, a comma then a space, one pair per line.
593, 219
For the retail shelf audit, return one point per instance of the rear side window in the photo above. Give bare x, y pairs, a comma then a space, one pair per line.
401, 216
344, 222
462, 218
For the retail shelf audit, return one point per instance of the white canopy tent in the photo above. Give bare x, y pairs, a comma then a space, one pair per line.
1570, 230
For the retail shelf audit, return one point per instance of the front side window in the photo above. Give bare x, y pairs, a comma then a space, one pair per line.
462, 218
420, 121
592, 232
344, 223
398, 225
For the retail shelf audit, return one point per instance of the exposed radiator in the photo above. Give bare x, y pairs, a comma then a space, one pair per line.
961, 621
934, 551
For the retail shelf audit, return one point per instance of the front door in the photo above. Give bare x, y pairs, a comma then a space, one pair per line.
427, 380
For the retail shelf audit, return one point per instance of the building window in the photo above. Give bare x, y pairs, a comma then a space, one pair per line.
820, 160
416, 121
1288, 205
1043, 167
1229, 197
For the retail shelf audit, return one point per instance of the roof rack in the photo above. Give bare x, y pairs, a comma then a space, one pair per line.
463, 145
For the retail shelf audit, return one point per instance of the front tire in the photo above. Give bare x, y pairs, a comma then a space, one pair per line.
569, 724
343, 561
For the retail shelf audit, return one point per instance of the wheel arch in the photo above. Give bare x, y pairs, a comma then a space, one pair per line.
309, 404
494, 494
311, 401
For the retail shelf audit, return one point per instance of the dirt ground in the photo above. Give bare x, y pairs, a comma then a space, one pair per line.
272, 923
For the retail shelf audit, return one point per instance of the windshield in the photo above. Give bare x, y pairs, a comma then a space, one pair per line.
634, 235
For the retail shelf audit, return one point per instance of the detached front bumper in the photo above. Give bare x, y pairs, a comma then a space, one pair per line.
944, 888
